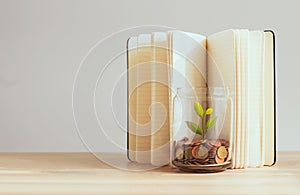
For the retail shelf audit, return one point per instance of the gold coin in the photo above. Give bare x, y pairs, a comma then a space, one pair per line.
222, 152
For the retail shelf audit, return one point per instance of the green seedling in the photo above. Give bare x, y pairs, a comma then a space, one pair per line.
202, 129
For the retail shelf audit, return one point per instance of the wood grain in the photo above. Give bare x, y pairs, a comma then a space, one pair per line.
82, 173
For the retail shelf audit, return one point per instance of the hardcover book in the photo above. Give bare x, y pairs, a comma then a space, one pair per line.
242, 61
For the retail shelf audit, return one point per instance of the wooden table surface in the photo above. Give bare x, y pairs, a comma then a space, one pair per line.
82, 173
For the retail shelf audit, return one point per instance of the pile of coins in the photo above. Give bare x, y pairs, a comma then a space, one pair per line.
199, 152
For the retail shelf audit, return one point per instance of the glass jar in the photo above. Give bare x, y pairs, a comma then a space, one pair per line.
202, 129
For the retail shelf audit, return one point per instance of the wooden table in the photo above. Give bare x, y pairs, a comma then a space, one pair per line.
82, 173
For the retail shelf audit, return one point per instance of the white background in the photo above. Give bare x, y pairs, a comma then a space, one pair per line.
43, 42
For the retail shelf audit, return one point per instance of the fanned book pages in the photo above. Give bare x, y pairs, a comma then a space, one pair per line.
161, 62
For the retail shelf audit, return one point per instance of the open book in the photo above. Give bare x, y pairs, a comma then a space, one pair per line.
241, 61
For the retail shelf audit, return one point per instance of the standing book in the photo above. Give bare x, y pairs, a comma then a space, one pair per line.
241, 61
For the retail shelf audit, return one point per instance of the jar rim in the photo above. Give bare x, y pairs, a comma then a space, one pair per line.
214, 91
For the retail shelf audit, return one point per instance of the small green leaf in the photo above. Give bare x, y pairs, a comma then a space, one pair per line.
211, 122
198, 109
209, 111
194, 127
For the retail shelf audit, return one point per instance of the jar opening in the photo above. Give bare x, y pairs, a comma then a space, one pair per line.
202, 91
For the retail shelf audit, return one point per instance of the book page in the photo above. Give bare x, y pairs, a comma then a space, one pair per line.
160, 91
221, 72
132, 79
238, 131
188, 57
269, 99
188, 60
255, 89
241, 131
221, 59
243, 86
143, 100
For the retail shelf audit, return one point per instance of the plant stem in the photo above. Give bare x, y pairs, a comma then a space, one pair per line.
203, 126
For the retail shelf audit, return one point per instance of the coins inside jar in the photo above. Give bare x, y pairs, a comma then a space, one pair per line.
201, 152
